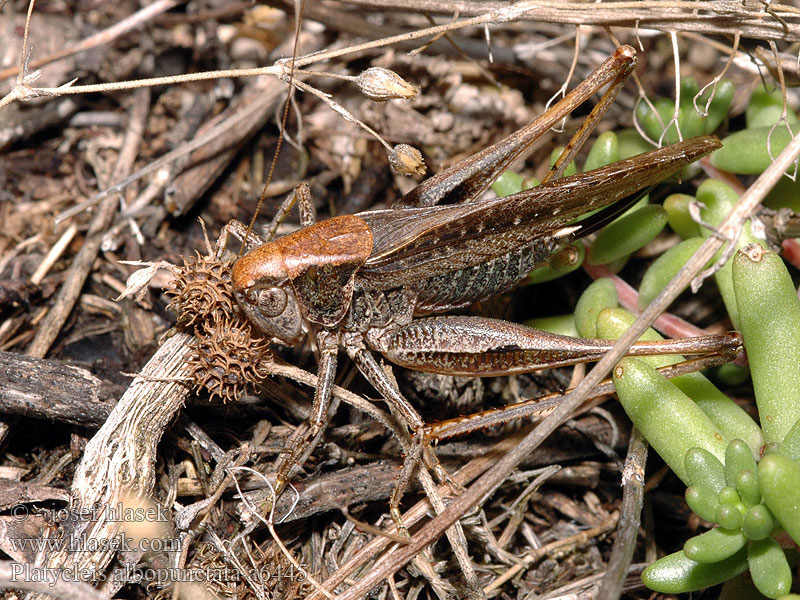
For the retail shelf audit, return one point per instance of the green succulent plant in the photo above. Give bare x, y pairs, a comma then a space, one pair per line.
741, 476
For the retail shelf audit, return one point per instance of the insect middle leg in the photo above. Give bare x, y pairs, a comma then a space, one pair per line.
420, 449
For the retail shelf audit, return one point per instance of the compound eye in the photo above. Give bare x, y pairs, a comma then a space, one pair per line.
271, 302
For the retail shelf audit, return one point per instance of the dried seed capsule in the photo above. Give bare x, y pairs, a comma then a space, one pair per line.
201, 288
406, 160
231, 358
380, 84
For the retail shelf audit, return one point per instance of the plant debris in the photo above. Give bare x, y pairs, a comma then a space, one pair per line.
96, 181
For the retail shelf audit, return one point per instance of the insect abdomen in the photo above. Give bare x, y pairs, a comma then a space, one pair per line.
465, 286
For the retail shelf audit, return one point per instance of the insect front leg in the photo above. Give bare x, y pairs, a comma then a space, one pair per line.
250, 240
293, 454
237, 230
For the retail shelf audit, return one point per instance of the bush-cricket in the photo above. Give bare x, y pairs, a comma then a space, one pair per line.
360, 282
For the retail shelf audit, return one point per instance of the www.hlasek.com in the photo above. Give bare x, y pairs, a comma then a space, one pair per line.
161, 576
85, 543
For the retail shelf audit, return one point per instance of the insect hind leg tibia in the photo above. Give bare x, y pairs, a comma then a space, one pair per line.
621, 69
541, 406
468, 178
419, 450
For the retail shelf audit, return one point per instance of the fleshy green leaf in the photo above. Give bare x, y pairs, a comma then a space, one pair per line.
677, 574
768, 567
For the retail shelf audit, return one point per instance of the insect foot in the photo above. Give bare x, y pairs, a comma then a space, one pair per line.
231, 356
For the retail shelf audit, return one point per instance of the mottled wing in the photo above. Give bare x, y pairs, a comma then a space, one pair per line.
413, 244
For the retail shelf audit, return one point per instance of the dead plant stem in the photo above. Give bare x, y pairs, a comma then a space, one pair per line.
718, 17
82, 263
105, 36
629, 520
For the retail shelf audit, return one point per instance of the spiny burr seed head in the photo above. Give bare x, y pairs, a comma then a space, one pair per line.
201, 287
231, 357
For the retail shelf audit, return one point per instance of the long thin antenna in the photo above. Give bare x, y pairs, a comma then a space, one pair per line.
298, 15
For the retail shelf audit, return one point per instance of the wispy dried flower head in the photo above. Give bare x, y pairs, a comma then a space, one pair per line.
380, 84
406, 160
